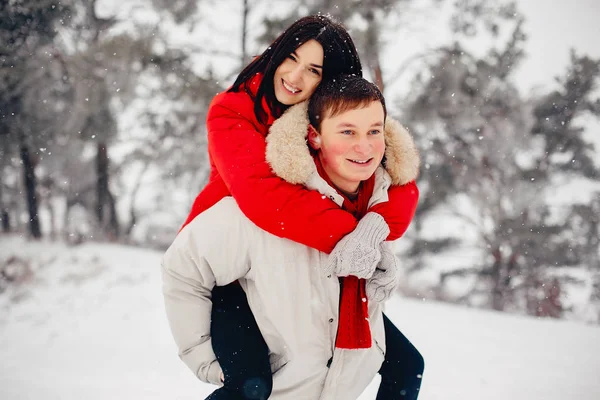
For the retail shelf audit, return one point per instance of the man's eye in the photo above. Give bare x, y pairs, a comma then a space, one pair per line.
347, 132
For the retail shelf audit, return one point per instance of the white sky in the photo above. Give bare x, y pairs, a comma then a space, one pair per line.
554, 27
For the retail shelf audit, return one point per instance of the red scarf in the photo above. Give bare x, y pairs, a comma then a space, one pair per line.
354, 331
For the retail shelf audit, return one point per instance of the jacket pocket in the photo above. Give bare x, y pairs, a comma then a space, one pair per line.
278, 361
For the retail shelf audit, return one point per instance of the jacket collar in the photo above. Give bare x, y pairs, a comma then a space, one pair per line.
289, 156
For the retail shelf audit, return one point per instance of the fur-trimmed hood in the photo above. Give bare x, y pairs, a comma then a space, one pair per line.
289, 156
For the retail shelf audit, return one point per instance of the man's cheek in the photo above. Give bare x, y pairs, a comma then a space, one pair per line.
380, 148
339, 149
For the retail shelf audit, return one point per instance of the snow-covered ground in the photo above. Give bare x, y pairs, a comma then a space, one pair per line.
88, 323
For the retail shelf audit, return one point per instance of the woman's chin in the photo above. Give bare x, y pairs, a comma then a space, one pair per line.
287, 99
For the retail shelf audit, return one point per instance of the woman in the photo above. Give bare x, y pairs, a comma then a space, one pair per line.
327, 340
312, 49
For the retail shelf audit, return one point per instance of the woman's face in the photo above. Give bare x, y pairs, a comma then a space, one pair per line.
298, 76
351, 145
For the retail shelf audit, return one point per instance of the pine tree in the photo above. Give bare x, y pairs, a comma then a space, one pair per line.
477, 135
27, 29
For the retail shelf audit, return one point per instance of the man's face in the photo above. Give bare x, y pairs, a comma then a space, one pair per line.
352, 145
298, 76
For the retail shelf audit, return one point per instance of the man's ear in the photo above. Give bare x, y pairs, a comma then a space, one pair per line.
314, 139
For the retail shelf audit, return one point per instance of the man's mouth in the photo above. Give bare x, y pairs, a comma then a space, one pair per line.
290, 88
361, 162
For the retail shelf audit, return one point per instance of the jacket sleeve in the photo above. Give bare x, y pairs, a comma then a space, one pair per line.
209, 251
400, 209
278, 207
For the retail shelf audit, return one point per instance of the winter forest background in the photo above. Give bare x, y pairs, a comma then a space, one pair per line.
102, 134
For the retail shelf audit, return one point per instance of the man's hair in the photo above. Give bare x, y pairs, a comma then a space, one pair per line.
339, 57
341, 94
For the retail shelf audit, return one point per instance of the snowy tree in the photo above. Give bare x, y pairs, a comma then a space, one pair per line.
27, 29
480, 144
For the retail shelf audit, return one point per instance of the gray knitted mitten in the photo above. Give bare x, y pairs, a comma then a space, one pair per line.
386, 277
358, 252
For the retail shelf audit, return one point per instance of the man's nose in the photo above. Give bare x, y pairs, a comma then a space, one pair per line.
362, 145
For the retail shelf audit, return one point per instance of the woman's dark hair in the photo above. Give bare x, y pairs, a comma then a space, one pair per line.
339, 57
340, 94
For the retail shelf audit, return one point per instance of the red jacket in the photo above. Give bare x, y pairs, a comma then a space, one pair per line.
236, 148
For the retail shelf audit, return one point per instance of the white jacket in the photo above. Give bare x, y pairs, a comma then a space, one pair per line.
294, 303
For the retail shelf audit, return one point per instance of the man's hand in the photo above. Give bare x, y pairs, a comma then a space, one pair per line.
358, 252
386, 277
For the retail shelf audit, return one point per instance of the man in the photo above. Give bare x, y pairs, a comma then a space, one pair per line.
325, 335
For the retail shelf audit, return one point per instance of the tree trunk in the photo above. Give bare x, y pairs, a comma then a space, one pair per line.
4, 216
5, 221
101, 182
550, 305
52, 212
372, 50
30, 190
497, 275
133, 217
245, 12
113, 228
107, 218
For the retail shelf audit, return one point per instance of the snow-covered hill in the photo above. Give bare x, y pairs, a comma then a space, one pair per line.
88, 323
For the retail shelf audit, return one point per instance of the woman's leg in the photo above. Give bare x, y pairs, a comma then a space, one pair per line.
239, 347
402, 369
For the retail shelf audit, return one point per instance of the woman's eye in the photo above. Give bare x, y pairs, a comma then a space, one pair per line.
375, 132
315, 71
291, 57
346, 132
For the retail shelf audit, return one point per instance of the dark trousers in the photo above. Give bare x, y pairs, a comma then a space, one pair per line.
402, 368
239, 347
243, 354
